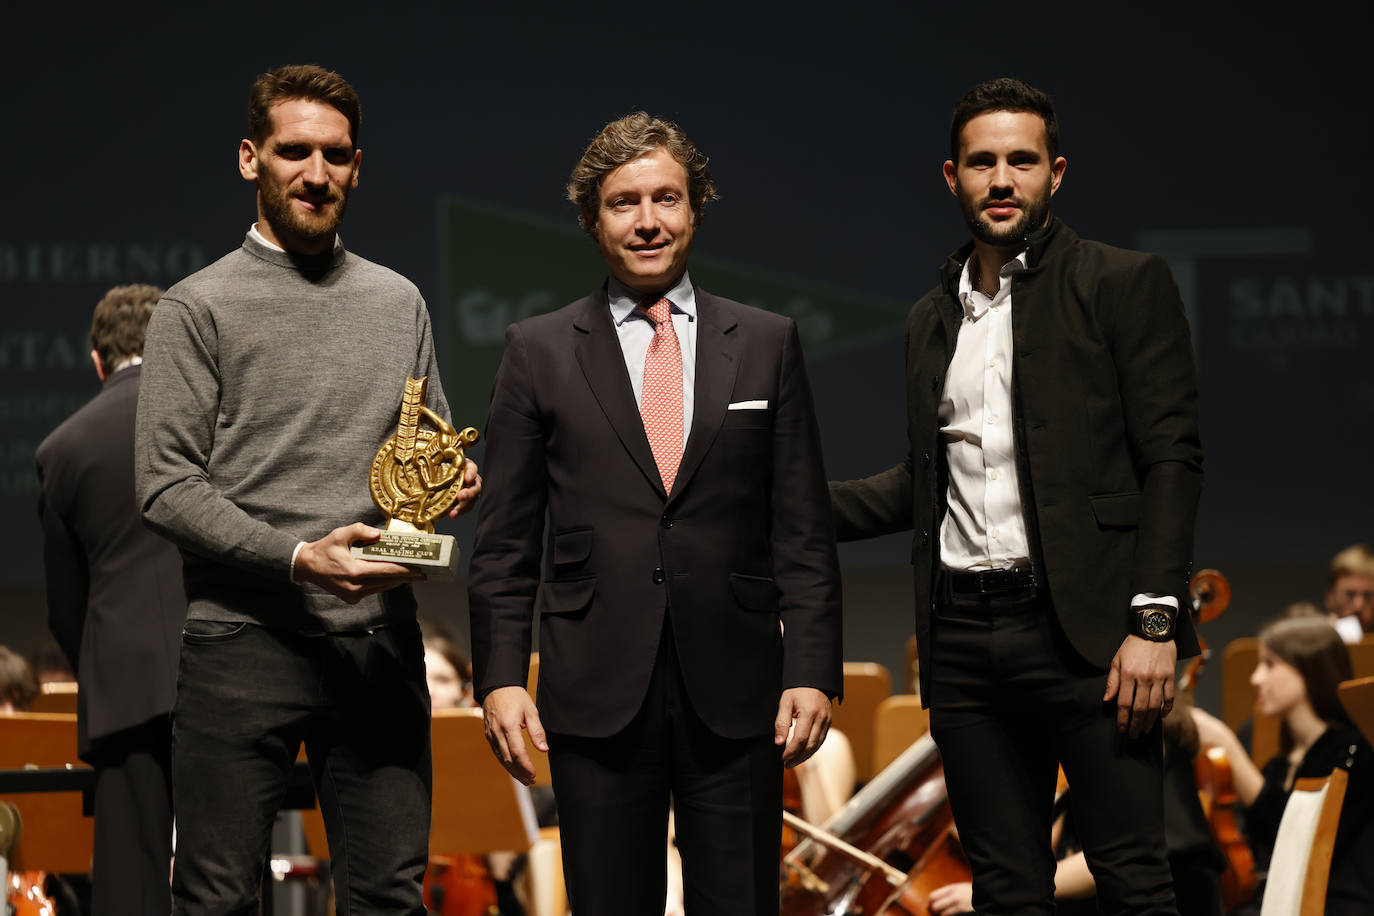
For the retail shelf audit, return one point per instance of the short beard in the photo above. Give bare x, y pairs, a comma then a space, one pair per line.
1006, 235
286, 221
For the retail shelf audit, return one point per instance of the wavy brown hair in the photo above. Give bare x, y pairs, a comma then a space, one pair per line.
629, 138
301, 81
120, 320
18, 684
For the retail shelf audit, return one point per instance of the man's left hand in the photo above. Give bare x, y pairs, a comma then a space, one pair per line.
1142, 682
468, 493
806, 711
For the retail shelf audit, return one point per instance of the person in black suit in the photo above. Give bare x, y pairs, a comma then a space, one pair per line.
690, 608
1052, 484
115, 605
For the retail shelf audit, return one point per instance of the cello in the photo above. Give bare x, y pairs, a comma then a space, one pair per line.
24, 891
884, 851
1211, 595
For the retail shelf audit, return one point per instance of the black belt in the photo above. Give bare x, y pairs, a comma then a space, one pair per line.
991, 581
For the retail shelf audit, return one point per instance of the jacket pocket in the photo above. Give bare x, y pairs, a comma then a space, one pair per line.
567, 596
572, 546
755, 593
1116, 510
209, 632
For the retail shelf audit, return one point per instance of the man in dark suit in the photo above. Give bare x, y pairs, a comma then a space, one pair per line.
690, 609
1052, 483
115, 605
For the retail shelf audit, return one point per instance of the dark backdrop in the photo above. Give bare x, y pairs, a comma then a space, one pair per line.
1236, 141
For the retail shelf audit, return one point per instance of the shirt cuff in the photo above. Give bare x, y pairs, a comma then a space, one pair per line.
297, 552
1143, 599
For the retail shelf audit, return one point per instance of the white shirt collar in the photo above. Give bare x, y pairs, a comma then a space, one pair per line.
976, 303
625, 302
261, 239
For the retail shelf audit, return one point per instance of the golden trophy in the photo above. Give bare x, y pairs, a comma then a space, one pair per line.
415, 478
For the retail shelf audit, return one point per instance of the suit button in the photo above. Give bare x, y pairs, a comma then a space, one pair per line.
935, 383
667, 521
925, 538
658, 575
925, 457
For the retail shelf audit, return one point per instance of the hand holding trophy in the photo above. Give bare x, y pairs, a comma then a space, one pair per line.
415, 478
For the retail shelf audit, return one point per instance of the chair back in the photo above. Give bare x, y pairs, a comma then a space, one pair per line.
897, 723
57, 835
1301, 864
56, 696
1357, 696
866, 684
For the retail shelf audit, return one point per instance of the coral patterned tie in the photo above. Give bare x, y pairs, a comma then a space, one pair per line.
660, 401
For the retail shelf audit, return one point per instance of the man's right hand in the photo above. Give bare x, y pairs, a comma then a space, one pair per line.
509, 711
328, 564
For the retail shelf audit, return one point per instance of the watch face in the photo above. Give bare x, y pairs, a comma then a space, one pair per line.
1156, 623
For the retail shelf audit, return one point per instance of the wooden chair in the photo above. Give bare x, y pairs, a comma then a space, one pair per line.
866, 684
56, 696
1301, 864
897, 723
1238, 662
542, 777
1357, 696
912, 675
57, 836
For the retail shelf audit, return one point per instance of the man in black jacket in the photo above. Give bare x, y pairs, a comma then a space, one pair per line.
1052, 484
115, 605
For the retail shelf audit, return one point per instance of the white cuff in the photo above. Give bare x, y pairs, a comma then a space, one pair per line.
1143, 599
295, 553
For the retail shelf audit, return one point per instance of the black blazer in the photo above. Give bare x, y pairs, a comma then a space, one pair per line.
744, 541
115, 598
1106, 404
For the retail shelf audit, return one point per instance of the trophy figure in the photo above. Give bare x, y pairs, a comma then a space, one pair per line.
415, 478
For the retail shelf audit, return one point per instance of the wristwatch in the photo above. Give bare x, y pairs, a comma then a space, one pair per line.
1154, 622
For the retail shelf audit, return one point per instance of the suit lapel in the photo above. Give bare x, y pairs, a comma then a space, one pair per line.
603, 364
717, 363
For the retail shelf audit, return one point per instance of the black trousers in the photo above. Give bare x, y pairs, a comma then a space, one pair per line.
613, 796
133, 821
247, 696
1010, 701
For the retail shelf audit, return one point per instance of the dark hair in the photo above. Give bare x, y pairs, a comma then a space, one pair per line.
440, 638
1005, 94
301, 81
120, 321
629, 138
1314, 648
18, 684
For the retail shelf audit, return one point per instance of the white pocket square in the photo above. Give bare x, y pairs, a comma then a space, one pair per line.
748, 405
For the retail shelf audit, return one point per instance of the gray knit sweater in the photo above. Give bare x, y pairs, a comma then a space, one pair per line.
269, 382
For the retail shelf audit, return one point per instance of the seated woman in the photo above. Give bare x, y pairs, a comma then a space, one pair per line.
1301, 662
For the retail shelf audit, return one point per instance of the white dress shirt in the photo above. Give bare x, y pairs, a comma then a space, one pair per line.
985, 527
636, 332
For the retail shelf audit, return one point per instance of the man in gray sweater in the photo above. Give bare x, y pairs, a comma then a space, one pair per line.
271, 377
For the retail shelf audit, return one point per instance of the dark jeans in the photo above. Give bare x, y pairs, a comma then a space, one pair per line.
133, 821
613, 798
1010, 701
247, 697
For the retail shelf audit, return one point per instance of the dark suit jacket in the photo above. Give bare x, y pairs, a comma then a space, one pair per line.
1106, 434
745, 539
115, 598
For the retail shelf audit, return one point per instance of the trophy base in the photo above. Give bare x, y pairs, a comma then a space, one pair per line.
435, 555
